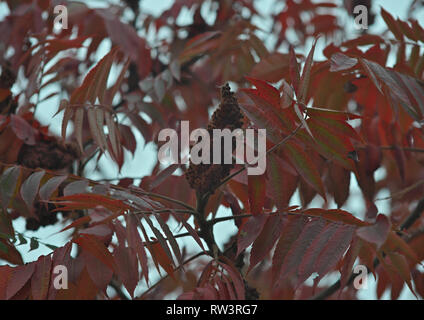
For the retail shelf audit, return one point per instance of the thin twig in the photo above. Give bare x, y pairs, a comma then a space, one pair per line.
409, 221
181, 235
402, 192
165, 210
117, 178
223, 219
159, 196
409, 149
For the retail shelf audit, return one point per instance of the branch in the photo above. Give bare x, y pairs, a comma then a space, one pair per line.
206, 229
409, 221
248, 215
222, 219
181, 235
117, 287
414, 216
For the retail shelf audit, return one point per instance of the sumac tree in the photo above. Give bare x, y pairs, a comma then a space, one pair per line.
339, 105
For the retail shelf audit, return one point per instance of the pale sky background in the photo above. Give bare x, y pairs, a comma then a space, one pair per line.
146, 153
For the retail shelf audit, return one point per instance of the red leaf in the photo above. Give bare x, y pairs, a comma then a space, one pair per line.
338, 183
135, 242
5, 275
55, 45
334, 250
331, 143
165, 262
256, 190
29, 188
79, 222
40, 281
222, 290
19, 277
363, 40
78, 126
367, 255
340, 128
262, 118
336, 215
304, 165
23, 129
127, 267
349, 261
50, 186
401, 267
306, 75
297, 252
94, 84
340, 62
8, 182
289, 235
396, 243
230, 289
161, 239
126, 37
171, 239
376, 233
87, 201
101, 231
266, 91
308, 263
4, 93
190, 230
98, 271
67, 116
85, 288
11, 255
61, 256
392, 24
266, 239
272, 68
235, 278
96, 248
76, 187
294, 70
95, 117
199, 44
249, 231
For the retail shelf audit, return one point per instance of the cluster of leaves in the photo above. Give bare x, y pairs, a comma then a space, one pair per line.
327, 122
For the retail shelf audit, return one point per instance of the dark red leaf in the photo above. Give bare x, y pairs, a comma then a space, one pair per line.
40, 281
20, 276
256, 190
376, 233
29, 188
265, 241
249, 231
96, 248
